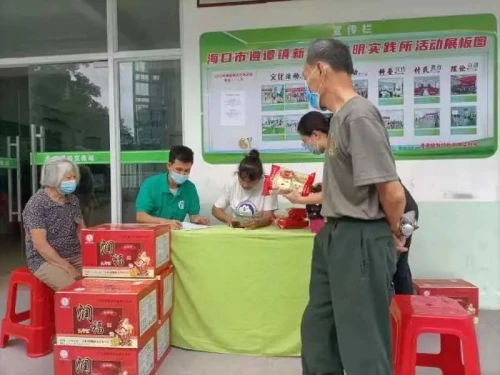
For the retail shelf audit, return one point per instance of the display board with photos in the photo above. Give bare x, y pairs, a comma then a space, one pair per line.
433, 79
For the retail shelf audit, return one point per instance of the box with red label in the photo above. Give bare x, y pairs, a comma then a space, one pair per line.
73, 360
163, 340
107, 313
165, 291
464, 292
125, 250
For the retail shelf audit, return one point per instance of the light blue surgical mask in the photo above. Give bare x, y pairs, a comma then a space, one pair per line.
313, 98
309, 147
178, 178
68, 187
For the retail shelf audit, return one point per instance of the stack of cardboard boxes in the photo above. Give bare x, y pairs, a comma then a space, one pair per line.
116, 320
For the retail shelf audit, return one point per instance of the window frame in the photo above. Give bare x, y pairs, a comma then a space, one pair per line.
113, 57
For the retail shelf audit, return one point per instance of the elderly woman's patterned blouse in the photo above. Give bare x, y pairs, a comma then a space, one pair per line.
58, 220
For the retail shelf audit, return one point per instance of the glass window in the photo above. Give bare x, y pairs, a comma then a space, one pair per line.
148, 24
150, 105
132, 177
151, 119
52, 27
70, 102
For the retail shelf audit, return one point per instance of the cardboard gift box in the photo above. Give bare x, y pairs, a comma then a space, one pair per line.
163, 342
125, 250
107, 313
73, 360
166, 293
464, 292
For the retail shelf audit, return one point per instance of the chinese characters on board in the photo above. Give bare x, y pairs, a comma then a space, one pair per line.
281, 54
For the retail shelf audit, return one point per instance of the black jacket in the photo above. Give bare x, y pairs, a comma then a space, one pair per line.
411, 205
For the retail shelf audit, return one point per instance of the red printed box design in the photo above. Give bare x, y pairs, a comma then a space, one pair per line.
72, 360
125, 250
464, 292
165, 291
163, 342
107, 313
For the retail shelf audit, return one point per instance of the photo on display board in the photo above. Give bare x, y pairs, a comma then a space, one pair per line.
295, 97
464, 120
272, 97
390, 91
463, 88
394, 122
361, 87
273, 128
291, 122
427, 121
426, 90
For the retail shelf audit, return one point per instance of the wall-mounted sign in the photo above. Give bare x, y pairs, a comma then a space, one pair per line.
434, 81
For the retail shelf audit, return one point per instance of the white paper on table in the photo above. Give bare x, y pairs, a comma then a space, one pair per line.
232, 108
190, 226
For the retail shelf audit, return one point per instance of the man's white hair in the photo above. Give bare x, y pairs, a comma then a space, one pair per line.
54, 170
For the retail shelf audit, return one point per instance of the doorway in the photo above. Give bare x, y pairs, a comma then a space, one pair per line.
51, 110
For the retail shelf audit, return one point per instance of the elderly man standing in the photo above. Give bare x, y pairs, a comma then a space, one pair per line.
346, 324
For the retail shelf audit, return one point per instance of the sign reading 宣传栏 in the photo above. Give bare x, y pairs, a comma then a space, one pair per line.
433, 79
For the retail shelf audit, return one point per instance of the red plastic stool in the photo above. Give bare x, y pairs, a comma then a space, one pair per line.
39, 332
414, 315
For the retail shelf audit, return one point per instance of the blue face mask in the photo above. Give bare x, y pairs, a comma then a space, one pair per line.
309, 147
313, 98
178, 178
68, 187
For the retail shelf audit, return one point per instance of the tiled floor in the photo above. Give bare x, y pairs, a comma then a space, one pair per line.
13, 360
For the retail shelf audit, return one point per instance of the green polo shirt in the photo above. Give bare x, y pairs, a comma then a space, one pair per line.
156, 199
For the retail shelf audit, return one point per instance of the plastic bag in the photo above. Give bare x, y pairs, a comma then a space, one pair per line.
292, 218
282, 180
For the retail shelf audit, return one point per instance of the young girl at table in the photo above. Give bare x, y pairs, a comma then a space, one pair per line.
243, 196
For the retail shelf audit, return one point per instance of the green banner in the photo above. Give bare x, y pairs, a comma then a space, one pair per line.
7, 163
434, 81
103, 157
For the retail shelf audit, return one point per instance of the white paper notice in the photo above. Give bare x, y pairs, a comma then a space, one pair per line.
232, 108
190, 226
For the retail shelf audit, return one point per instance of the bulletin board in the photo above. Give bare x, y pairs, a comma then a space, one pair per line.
433, 79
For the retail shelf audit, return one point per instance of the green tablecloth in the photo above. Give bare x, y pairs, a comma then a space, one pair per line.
240, 291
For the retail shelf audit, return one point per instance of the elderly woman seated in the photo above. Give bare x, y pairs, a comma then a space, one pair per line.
52, 223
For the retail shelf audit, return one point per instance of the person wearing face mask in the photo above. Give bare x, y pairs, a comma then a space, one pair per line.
346, 326
168, 197
243, 196
313, 128
52, 221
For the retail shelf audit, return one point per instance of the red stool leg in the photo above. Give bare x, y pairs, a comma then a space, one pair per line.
406, 360
41, 304
11, 301
4, 338
39, 342
10, 313
472, 364
451, 355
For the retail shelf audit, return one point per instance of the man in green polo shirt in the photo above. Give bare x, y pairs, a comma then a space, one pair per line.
168, 197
